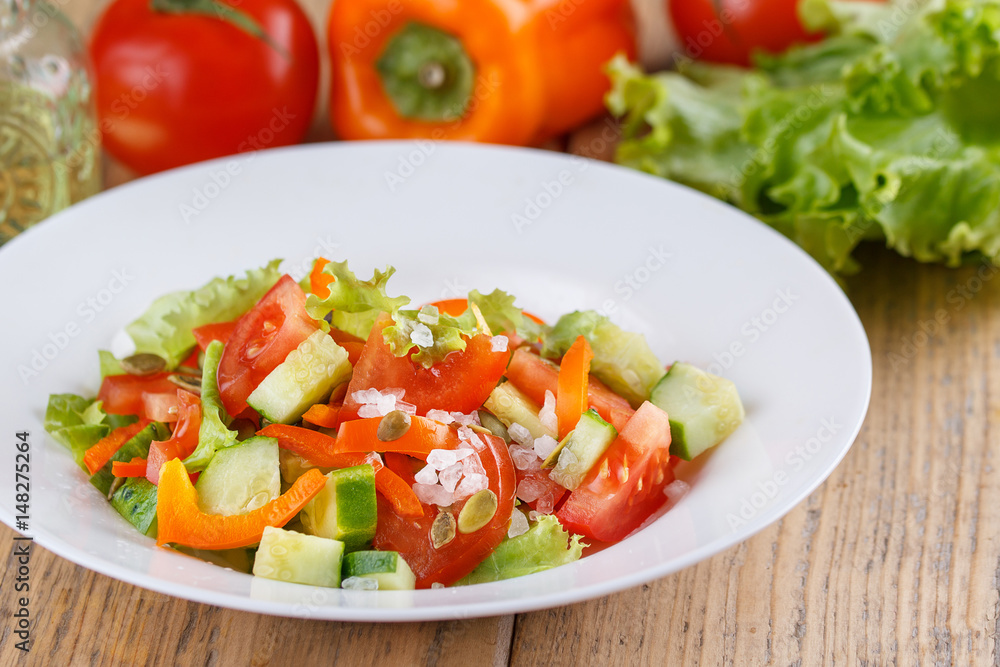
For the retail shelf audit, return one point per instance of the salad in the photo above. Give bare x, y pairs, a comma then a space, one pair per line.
326, 433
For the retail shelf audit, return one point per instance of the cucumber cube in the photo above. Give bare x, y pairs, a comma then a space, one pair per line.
300, 559
241, 478
345, 509
386, 567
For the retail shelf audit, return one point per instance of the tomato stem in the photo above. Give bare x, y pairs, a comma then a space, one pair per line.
223, 12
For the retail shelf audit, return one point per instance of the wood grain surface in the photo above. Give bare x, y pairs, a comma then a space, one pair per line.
894, 560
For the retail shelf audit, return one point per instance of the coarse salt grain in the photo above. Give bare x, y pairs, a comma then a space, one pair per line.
427, 475
499, 343
438, 585
450, 476
471, 484
433, 494
676, 490
466, 419
440, 459
546, 503
547, 415
472, 466
429, 314
524, 458
468, 435
545, 445
518, 524
368, 411
530, 490
421, 335
521, 435
440, 416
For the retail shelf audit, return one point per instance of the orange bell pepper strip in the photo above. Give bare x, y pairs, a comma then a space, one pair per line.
319, 282
180, 521
134, 468
574, 381
101, 452
317, 448
361, 435
576, 40
322, 414
464, 70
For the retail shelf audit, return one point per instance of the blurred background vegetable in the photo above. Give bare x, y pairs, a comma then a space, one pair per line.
180, 81
479, 70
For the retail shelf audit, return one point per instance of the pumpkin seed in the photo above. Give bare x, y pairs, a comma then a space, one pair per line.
244, 429
443, 529
494, 425
186, 382
393, 426
478, 511
115, 485
143, 364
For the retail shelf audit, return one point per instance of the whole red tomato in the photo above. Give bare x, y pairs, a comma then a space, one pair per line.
180, 81
728, 31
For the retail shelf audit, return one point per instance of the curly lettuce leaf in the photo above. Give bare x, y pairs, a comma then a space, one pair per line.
501, 315
546, 545
413, 328
214, 433
78, 423
165, 328
884, 131
353, 305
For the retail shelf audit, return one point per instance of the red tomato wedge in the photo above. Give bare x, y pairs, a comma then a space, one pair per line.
626, 485
261, 340
220, 331
460, 382
534, 375
182, 442
455, 559
122, 394
161, 407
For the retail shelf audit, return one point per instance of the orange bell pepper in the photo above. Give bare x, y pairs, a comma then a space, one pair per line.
574, 381
99, 454
496, 71
134, 468
318, 449
360, 435
441, 69
319, 282
576, 40
180, 521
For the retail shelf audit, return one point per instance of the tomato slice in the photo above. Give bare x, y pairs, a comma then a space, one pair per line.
626, 485
220, 331
161, 407
534, 375
461, 382
261, 340
182, 442
411, 536
122, 394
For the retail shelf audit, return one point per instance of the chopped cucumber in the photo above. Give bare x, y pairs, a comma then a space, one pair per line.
307, 376
511, 406
345, 509
703, 409
299, 559
386, 567
137, 447
622, 360
241, 478
136, 501
580, 450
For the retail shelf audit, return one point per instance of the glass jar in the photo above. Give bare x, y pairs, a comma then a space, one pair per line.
49, 145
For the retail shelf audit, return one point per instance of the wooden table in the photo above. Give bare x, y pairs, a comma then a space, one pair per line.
894, 560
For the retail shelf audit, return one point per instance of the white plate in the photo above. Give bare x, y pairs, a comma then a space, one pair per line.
704, 282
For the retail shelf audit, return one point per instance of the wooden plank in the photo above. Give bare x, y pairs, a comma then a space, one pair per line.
895, 560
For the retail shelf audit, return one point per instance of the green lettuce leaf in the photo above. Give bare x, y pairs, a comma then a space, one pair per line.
109, 364
136, 447
884, 131
165, 328
502, 315
214, 433
546, 545
353, 305
447, 334
78, 423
